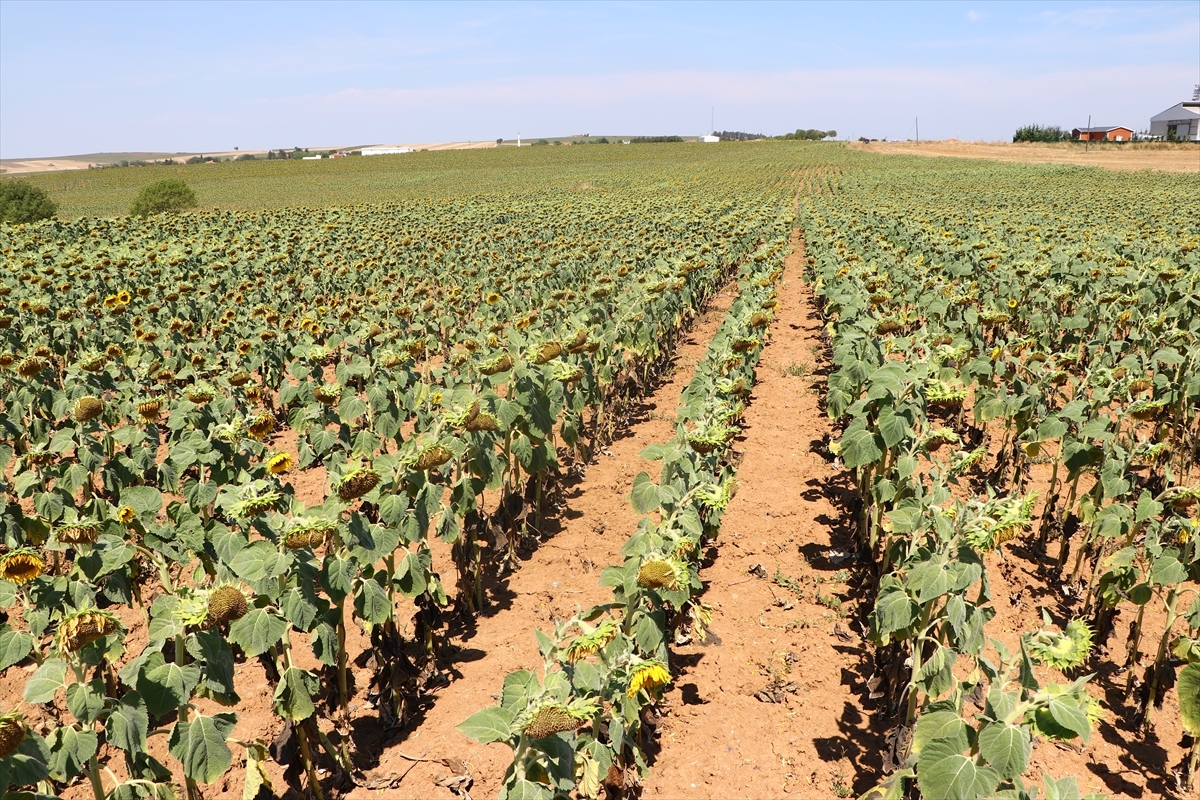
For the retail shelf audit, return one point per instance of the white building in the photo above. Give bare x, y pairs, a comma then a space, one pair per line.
310, 158
386, 151
1182, 118
710, 139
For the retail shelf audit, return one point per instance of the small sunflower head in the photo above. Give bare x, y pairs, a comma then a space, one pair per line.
225, 604
432, 457
84, 627
658, 573
549, 719
200, 394
590, 643
255, 503
492, 298
328, 394
1063, 650
21, 566
30, 366
483, 421
150, 410
356, 483
648, 675
6, 360
280, 463
87, 408
239, 378
12, 732
126, 514
308, 533
78, 533
261, 426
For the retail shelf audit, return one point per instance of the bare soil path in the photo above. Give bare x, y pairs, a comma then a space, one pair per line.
773, 710
1159, 156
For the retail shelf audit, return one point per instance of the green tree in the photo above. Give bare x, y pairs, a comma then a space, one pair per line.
23, 202
166, 195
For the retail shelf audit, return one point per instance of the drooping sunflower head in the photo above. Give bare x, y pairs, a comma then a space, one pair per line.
84, 627
261, 426
12, 732
21, 566
87, 408
328, 394
549, 719
432, 457
6, 360
483, 421
255, 502
280, 463
356, 483
200, 394
30, 366
648, 675
239, 378
308, 533
591, 642
658, 573
501, 363
149, 410
78, 533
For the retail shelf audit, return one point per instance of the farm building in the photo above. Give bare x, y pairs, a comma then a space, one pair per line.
1115, 133
1182, 119
710, 139
386, 151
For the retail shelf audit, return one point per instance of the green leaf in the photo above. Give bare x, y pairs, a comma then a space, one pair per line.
1071, 717
70, 749
644, 495
1006, 748
129, 724
165, 686
522, 789
45, 683
489, 725
293, 695
860, 448
257, 631
1189, 698
1167, 571
371, 601
945, 773
940, 725
519, 688
200, 746
15, 647
85, 701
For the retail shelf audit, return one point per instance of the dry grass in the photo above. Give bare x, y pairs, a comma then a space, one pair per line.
1161, 156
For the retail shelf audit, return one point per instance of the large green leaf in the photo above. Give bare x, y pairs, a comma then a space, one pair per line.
293, 695
129, 724
945, 773
1006, 748
199, 745
257, 631
1189, 698
489, 725
166, 686
43, 684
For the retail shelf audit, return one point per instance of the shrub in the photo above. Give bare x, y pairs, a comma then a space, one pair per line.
23, 202
1041, 133
168, 194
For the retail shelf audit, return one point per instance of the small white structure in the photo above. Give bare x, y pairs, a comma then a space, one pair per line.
1182, 119
710, 139
310, 158
386, 151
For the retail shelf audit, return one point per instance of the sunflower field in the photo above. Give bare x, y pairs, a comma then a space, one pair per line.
229, 437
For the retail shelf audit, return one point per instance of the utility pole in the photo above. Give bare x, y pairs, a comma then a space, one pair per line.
917, 122
1088, 133
518, 138
712, 121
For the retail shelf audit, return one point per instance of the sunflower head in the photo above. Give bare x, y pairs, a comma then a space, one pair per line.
433, 456
261, 426
256, 503
328, 394
501, 363
549, 719
308, 533
590, 643
12, 732
658, 573
126, 514
149, 410
648, 675
225, 604
78, 533
239, 378
88, 408
356, 483
84, 627
30, 366
280, 463
547, 352
21, 566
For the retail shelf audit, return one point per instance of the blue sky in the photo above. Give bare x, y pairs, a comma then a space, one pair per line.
96, 76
